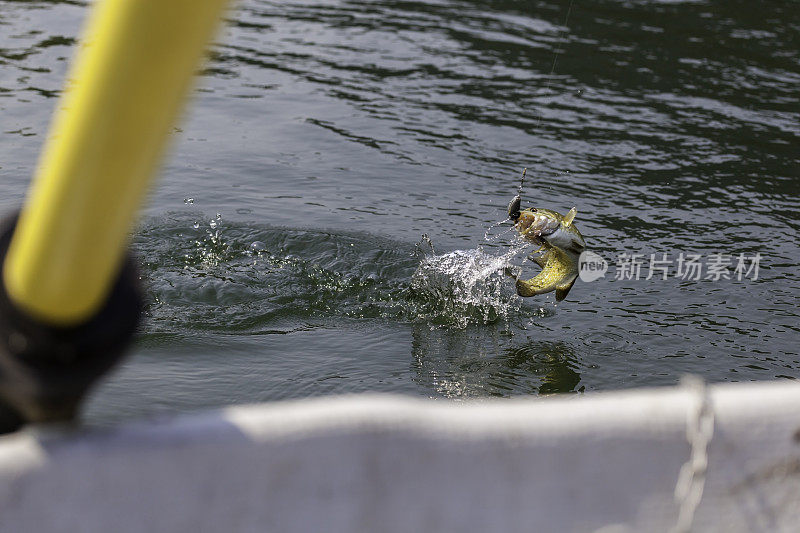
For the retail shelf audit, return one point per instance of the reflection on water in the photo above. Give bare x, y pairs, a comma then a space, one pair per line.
490, 361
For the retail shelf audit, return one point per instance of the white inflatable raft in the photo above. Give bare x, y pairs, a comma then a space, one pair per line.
606, 462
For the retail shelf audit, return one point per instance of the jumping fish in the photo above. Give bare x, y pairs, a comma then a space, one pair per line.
559, 241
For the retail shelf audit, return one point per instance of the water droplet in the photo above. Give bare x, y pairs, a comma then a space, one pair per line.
196, 225
188, 200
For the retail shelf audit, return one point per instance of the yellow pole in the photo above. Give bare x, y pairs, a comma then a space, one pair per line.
132, 71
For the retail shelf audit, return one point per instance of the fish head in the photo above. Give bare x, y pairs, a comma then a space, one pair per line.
543, 226
536, 224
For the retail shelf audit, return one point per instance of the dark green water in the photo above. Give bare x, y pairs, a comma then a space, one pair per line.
333, 134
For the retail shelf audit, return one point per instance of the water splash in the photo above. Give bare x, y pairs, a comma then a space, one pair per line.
469, 284
209, 248
249, 277
487, 236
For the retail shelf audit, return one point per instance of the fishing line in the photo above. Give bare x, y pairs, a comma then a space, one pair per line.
514, 205
522, 181
560, 41
516, 202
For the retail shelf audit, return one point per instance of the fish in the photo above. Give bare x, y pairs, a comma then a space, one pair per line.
560, 244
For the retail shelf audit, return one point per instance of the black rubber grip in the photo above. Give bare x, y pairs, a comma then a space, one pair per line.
46, 370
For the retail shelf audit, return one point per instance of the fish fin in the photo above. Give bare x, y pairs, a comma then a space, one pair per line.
563, 290
569, 217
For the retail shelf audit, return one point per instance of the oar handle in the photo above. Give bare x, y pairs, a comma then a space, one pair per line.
132, 72
69, 300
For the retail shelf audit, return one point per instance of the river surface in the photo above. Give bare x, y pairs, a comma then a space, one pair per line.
281, 248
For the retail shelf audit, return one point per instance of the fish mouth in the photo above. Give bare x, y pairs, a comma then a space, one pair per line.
532, 224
